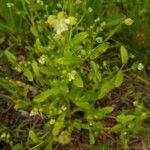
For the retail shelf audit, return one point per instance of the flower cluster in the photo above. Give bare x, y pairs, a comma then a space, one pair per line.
60, 22
42, 59
71, 75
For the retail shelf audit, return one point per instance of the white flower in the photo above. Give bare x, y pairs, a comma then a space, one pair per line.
78, 2
103, 24
59, 5
3, 135
140, 66
90, 9
24, 113
34, 112
97, 19
38, 1
64, 108
129, 21
61, 27
99, 39
42, 59
71, 77
52, 121
9, 5
67, 21
135, 103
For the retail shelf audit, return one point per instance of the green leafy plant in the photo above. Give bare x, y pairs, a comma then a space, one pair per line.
64, 67
130, 123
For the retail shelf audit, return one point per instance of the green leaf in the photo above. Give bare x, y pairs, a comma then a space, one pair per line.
89, 96
28, 74
78, 81
69, 60
124, 119
114, 20
96, 71
83, 105
10, 56
91, 137
46, 94
64, 87
119, 78
99, 50
17, 147
98, 113
64, 137
79, 38
35, 68
33, 136
116, 128
58, 125
106, 87
124, 55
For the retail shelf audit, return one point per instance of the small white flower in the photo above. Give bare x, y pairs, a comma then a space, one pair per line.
71, 77
42, 59
90, 9
99, 39
9, 5
24, 113
97, 19
59, 5
140, 66
103, 24
129, 21
59, 31
135, 103
38, 1
34, 112
64, 108
78, 2
52, 121
3, 135
67, 21
132, 56
91, 124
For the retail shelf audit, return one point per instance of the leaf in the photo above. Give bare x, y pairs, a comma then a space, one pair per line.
114, 20
119, 78
46, 94
64, 137
79, 38
10, 87
99, 50
35, 68
89, 96
124, 55
17, 147
78, 81
96, 71
99, 113
64, 87
33, 136
10, 56
28, 74
58, 125
106, 87
83, 105
91, 137
116, 128
124, 119
69, 60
